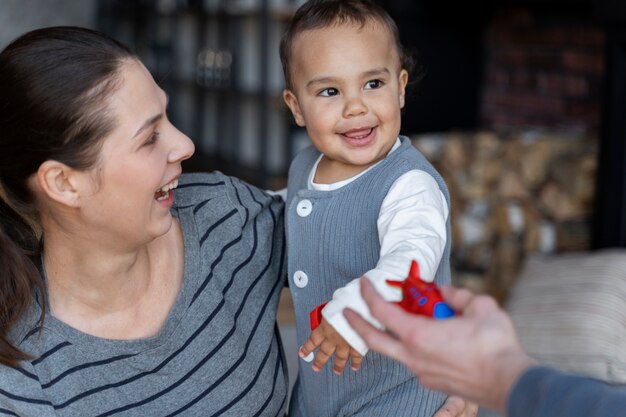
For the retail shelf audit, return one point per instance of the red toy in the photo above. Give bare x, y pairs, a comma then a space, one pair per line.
421, 297
418, 297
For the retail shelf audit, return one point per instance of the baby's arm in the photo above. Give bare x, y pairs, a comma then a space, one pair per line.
411, 226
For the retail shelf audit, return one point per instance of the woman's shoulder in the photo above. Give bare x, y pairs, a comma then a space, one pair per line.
21, 392
29, 324
20, 387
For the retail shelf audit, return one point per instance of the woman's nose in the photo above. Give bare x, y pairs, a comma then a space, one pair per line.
182, 147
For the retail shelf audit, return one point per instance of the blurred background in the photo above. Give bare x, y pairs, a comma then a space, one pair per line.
522, 109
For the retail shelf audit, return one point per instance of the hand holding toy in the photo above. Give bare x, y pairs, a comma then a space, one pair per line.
418, 297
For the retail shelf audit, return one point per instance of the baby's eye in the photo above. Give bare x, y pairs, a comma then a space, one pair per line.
329, 92
373, 84
152, 139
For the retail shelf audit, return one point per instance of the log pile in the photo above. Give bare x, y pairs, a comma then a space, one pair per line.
513, 194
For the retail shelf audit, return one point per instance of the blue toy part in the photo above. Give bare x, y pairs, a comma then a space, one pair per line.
442, 311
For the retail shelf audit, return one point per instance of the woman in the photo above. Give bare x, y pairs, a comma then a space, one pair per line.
126, 289
156, 305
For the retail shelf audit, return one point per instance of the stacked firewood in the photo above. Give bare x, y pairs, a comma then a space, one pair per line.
513, 194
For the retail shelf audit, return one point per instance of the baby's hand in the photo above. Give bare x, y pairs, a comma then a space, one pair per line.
330, 342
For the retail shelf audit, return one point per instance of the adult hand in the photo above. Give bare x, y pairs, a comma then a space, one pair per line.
457, 407
475, 354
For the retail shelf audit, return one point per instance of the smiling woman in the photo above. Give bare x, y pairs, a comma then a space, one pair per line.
140, 156
127, 288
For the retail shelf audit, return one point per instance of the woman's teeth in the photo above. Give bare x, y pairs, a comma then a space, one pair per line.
164, 192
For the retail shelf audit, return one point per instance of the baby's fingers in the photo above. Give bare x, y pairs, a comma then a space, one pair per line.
341, 359
355, 360
324, 353
311, 344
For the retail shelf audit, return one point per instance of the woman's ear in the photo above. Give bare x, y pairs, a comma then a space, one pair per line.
57, 181
292, 102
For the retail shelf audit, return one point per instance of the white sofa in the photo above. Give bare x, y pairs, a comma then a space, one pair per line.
570, 312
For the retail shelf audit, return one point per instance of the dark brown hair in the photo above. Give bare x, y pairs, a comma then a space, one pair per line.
54, 83
316, 14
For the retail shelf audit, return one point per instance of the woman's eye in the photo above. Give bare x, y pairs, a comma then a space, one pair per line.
329, 92
152, 139
373, 84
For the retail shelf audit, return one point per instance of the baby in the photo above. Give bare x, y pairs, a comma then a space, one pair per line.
362, 202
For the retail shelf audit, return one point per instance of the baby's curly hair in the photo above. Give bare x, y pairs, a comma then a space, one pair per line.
316, 14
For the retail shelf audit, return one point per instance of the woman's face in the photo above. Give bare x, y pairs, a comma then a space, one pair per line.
130, 196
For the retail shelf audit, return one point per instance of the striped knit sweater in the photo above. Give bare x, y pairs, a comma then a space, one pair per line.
218, 354
332, 239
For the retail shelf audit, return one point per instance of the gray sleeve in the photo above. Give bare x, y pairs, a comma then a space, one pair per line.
546, 392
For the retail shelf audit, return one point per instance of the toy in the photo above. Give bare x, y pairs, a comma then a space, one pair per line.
418, 297
421, 297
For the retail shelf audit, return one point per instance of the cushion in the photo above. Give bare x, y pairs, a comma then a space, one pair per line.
570, 312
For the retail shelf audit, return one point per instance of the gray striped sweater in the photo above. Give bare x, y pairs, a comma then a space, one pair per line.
218, 354
332, 239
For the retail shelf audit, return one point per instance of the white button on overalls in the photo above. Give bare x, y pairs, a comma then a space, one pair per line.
304, 208
300, 279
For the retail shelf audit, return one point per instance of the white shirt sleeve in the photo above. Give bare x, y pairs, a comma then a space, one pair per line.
411, 226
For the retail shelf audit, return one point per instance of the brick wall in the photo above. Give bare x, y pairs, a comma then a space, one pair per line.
542, 73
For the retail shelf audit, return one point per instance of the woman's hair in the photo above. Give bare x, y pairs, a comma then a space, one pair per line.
54, 86
317, 14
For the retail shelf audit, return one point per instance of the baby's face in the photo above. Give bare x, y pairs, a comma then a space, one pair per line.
348, 91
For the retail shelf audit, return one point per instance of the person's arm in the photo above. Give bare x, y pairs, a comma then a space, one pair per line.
475, 354
411, 226
448, 355
546, 392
